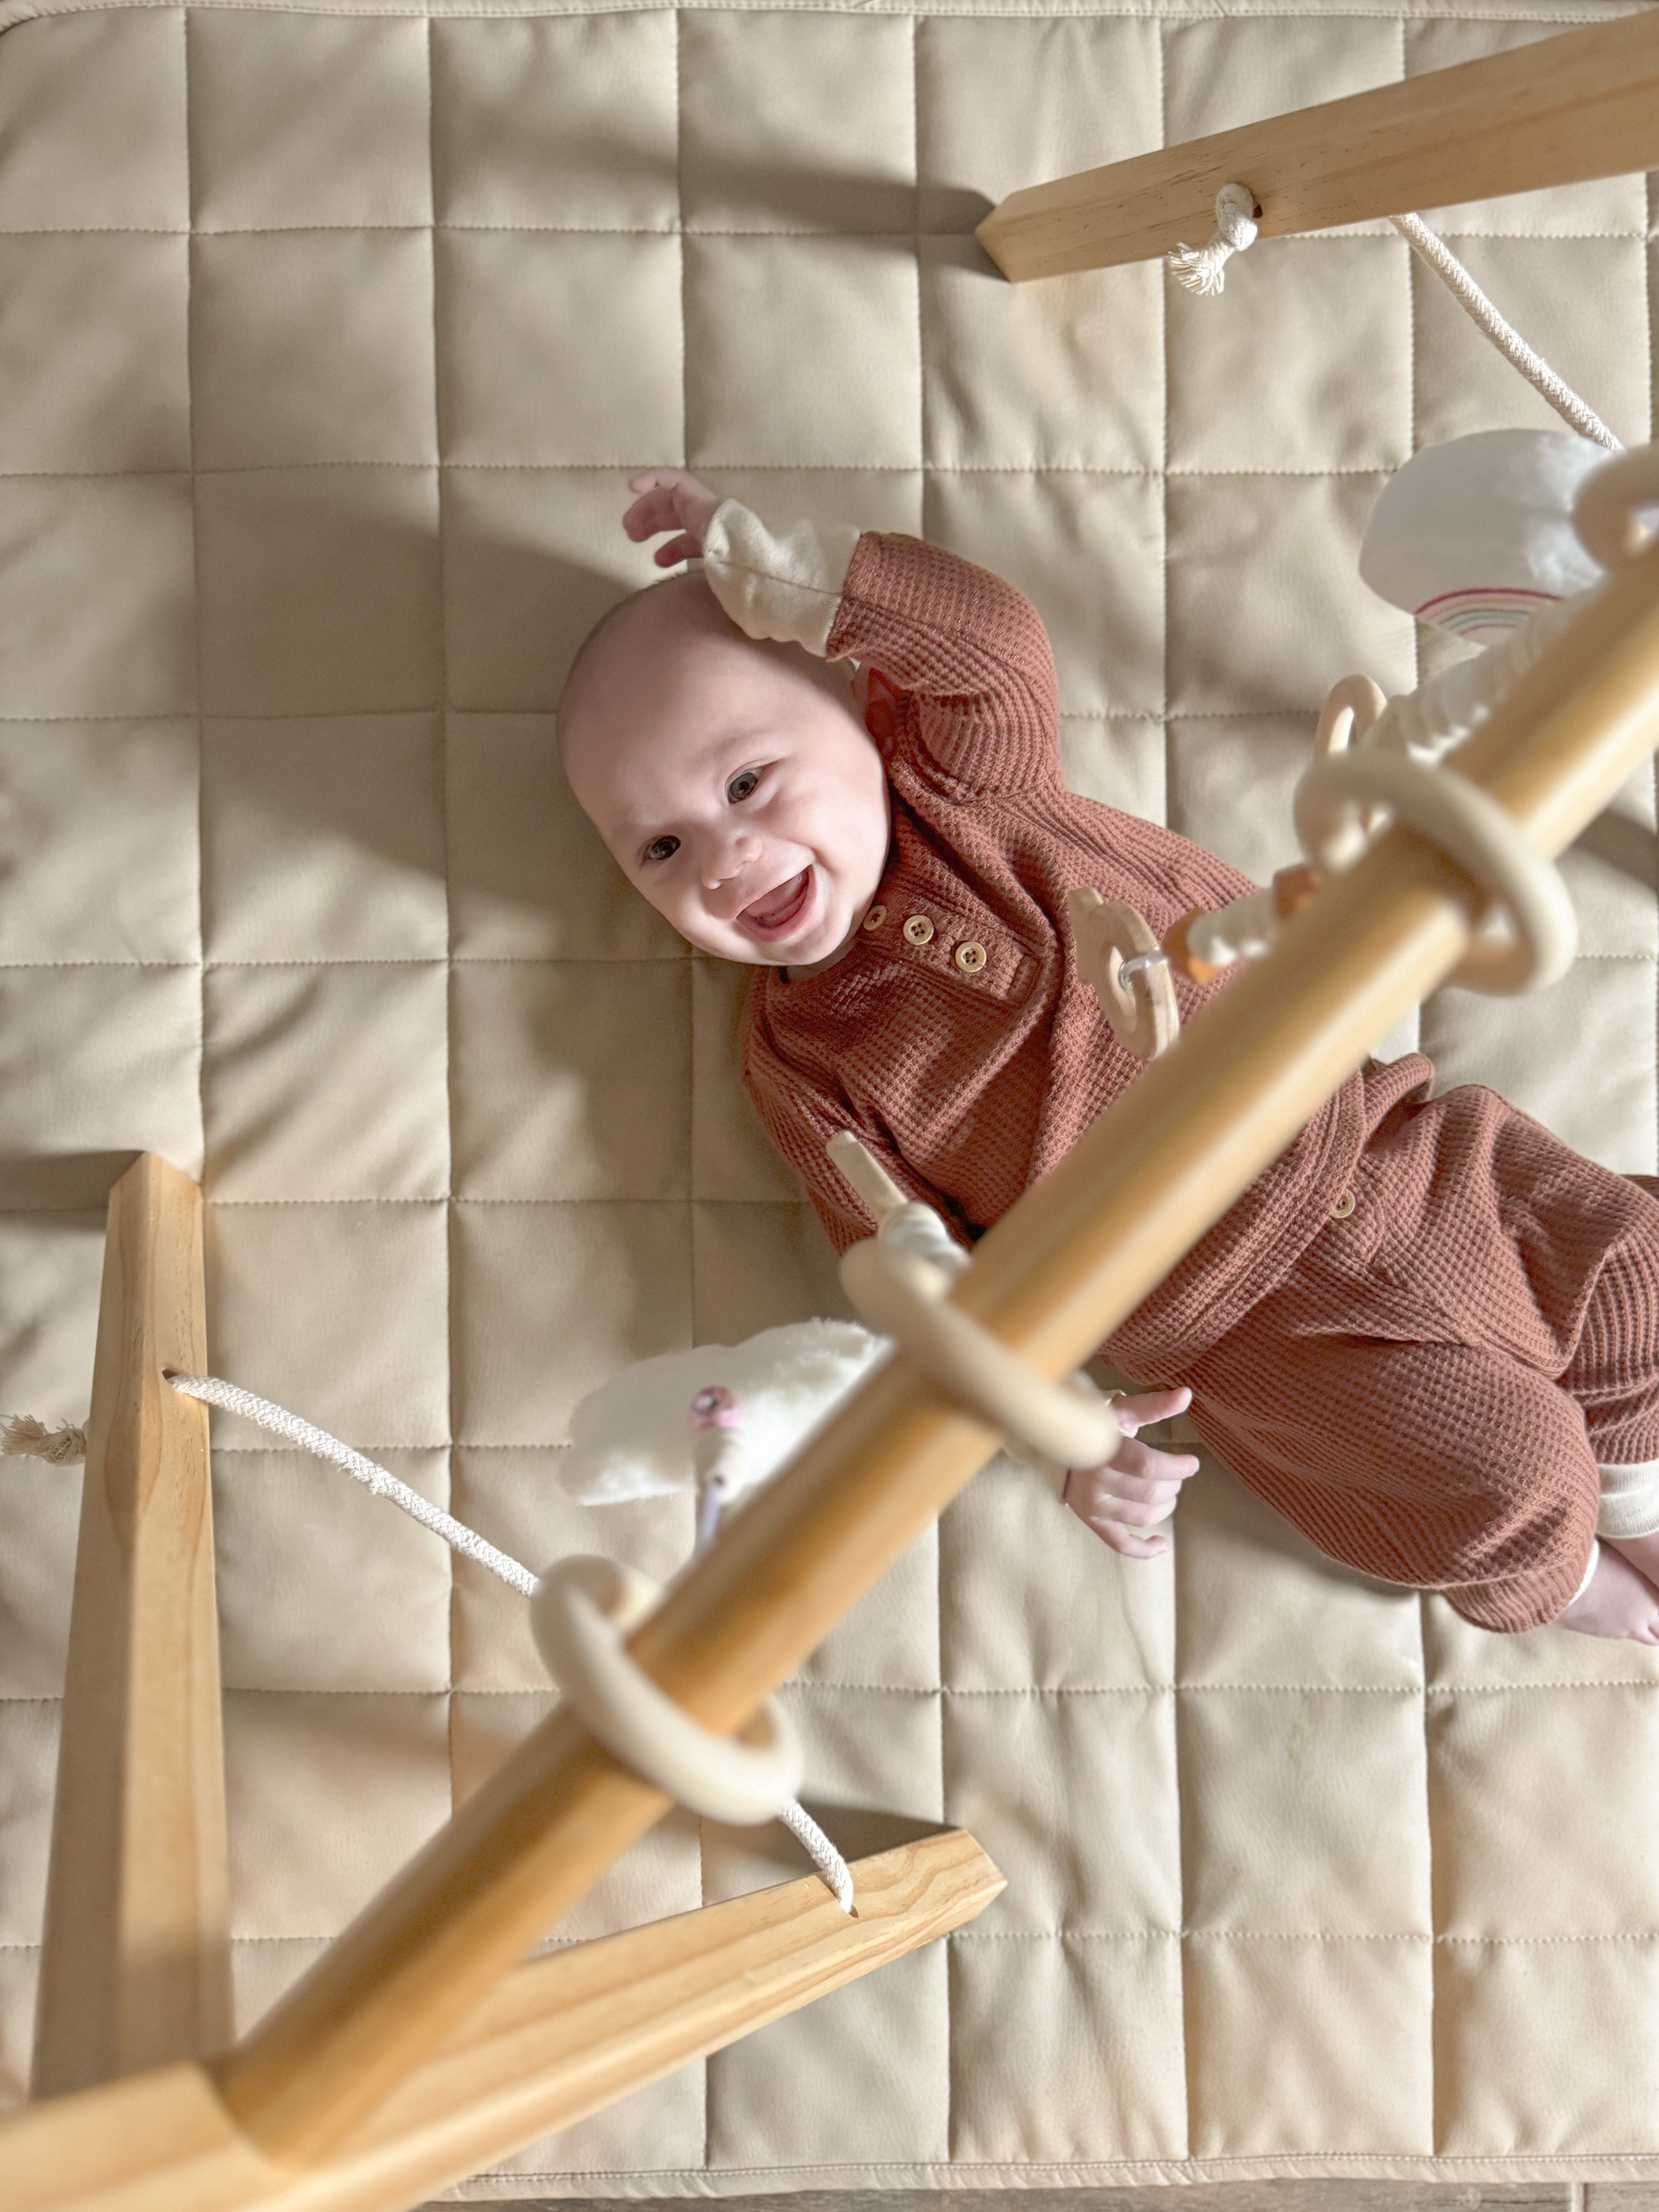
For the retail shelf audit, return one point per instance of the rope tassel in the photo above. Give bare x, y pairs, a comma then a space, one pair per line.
1202, 269
22, 1437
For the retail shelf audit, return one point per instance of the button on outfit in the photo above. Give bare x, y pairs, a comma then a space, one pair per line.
1343, 1207
875, 918
919, 930
970, 957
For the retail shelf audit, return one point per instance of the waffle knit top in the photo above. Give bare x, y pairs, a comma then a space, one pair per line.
956, 1038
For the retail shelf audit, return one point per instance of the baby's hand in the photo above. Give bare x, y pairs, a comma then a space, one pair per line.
1138, 1486
671, 499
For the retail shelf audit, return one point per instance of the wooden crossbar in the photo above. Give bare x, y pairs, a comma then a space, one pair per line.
1075, 1255
1584, 105
134, 1969
556, 2039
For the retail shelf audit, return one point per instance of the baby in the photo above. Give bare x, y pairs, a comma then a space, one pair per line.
1428, 1333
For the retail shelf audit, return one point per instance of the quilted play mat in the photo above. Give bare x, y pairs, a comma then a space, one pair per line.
328, 341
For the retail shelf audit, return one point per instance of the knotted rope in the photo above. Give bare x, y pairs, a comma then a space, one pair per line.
1202, 269
1237, 215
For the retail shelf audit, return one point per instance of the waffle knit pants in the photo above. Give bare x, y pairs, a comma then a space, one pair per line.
1460, 1365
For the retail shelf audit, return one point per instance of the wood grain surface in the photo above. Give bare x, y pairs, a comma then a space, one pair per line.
1584, 105
558, 2038
136, 1968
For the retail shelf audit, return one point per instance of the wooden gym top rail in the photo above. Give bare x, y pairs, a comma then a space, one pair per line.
1555, 112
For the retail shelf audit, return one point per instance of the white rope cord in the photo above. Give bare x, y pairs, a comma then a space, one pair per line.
710, 1414
281, 1423
1237, 213
1503, 334
819, 1849
829, 1862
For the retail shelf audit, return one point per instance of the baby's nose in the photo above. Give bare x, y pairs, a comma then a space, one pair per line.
725, 862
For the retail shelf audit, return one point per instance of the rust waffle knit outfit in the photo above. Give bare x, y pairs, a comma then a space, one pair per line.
1423, 1385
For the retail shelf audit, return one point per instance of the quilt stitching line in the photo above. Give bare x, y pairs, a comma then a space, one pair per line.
441, 735
1383, 11
201, 930
1343, 235
703, 2064
602, 466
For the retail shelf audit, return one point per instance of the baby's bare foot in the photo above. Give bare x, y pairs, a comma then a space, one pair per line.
1620, 1601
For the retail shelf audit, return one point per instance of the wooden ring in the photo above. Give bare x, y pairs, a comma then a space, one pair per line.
905, 1298
583, 1608
1468, 828
1352, 705
1142, 1013
1604, 512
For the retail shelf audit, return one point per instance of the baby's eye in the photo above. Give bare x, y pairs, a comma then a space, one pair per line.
662, 848
742, 785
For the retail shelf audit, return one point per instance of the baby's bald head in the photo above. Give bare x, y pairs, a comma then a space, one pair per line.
674, 617
723, 772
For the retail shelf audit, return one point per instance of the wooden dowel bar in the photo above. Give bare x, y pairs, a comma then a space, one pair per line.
134, 1969
1556, 112
557, 2040
1051, 1279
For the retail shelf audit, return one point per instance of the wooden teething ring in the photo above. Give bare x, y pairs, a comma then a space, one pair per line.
905, 1298
1142, 1012
1352, 705
1605, 513
1474, 832
580, 1612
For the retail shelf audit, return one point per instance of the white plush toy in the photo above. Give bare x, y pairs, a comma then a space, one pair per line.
1474, 536
631, 1438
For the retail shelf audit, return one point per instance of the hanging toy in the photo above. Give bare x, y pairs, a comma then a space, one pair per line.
1496, 538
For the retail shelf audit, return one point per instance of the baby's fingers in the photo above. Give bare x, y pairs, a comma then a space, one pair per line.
1134, 1457
1141, 1409
1126, 1543
1095, 1494
655, 511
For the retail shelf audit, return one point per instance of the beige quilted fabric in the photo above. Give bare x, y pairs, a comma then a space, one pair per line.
326, 342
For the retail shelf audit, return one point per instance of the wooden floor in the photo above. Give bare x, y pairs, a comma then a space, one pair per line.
1198, 2196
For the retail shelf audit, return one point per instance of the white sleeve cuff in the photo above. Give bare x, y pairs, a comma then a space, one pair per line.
785, 588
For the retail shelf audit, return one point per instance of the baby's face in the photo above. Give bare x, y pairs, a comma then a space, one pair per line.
734, 782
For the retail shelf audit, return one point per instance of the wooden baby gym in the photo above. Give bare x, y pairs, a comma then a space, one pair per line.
426, 2038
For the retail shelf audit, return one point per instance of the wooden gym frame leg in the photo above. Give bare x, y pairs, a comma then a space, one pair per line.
136, 1971
1556, 112
558, 2038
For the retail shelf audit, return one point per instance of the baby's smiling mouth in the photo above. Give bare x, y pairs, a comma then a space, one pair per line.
779, 909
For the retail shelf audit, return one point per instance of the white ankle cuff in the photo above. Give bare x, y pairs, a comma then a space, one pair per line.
1596, 1553
1630, 1500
